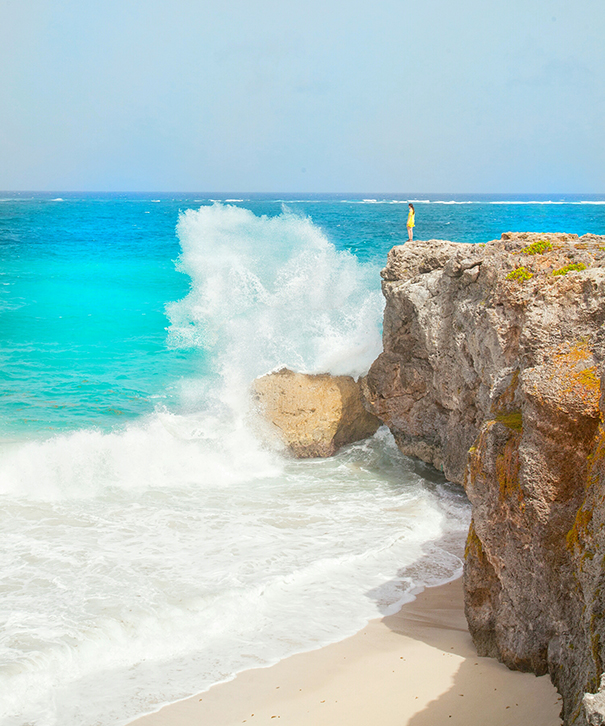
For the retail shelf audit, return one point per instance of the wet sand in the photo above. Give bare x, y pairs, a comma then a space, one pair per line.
415, 668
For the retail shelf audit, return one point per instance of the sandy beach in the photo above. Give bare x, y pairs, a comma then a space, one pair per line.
416, 668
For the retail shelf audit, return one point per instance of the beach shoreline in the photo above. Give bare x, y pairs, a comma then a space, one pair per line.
417, 667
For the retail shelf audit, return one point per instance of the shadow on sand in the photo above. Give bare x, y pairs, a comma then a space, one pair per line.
507, 698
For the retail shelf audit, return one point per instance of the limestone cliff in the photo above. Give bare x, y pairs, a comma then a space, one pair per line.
491, 370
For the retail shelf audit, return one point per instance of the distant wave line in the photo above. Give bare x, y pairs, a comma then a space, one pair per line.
448, 202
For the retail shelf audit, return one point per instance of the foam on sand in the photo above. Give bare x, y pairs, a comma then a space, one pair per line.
415, 668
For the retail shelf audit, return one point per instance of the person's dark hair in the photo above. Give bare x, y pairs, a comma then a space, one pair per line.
412, 206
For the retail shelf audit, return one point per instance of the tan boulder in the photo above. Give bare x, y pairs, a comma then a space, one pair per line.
314, 415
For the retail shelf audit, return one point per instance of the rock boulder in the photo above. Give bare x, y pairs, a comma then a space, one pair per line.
313, 415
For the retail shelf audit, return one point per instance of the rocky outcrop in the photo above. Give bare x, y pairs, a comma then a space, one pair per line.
492, 370
313, 415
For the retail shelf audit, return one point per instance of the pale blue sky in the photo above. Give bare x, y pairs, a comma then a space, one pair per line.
330, 95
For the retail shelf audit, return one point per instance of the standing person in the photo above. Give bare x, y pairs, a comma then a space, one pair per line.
411, 215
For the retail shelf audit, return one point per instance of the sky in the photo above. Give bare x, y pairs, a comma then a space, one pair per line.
310, 96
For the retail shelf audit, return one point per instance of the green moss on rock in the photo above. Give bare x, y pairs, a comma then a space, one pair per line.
512, 420
507, 471
579, 529
473, 544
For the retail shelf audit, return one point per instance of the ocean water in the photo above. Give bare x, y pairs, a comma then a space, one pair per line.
152, 546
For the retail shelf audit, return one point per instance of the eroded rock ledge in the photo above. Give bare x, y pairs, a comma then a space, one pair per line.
492, 370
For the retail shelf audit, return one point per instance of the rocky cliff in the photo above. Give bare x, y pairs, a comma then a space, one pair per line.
492, 370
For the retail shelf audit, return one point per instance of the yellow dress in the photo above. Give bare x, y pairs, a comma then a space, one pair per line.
410, 219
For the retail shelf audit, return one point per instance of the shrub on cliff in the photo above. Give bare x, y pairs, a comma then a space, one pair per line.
537, 248
520, 274
574, 267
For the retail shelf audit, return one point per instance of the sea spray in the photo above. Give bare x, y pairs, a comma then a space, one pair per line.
273, 291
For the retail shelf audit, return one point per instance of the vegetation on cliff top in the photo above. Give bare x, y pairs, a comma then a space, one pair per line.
537, 248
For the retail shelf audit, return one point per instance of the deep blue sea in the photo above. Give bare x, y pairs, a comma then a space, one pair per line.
152, 546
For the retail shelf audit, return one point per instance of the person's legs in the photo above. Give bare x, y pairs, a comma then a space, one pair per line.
410, 233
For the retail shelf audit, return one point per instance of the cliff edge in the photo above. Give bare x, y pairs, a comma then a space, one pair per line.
492, 370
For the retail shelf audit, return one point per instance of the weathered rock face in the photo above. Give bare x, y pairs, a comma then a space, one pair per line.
492, 370
314, 415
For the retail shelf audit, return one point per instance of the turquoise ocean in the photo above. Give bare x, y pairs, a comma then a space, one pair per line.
151, 544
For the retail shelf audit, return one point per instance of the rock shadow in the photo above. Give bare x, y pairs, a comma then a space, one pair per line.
483, 692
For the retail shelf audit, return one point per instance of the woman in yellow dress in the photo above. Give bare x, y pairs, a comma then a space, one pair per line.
411, 221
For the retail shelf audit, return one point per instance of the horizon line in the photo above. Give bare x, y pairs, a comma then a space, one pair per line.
301, 193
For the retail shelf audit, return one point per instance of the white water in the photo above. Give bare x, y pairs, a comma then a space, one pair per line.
439, 201
274, 291
144, 565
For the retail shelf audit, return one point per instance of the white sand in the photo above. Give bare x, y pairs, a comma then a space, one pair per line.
416, 668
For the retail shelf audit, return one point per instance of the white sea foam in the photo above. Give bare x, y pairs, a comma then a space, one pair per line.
146, 564
168, 450
269, 292
512, 202
466, 202
162, 560
547, 201
385, 201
